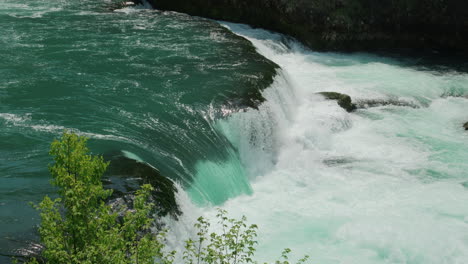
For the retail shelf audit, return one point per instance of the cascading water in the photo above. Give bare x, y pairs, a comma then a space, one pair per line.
386, 184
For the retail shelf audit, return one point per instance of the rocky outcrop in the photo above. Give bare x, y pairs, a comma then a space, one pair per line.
346, 24
125, 176
343, 100
350, 105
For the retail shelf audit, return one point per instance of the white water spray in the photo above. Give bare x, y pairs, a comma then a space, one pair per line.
381, 185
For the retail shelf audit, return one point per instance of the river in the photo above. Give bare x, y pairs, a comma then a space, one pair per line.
384, 184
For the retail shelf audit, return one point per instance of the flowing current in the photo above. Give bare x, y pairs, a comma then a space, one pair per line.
384, 184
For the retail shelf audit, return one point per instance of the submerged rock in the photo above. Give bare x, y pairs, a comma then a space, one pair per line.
125, 176
349, 105
383, 102
465, 184
22, 247
343, 100
338, 161
465, 126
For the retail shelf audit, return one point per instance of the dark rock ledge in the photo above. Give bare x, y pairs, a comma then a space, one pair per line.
346, 25
343, 100
125, 176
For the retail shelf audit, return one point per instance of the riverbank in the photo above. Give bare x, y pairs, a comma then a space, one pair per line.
346, 25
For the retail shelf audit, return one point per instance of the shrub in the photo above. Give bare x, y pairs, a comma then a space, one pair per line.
79, 227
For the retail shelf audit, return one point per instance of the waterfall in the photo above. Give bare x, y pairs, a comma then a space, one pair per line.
380, 185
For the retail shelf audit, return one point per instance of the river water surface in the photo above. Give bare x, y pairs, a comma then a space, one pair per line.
384, 184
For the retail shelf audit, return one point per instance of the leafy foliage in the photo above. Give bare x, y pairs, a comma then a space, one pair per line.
79, 227
236, 244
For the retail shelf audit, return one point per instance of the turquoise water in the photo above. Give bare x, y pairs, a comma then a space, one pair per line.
147, 82
385, 184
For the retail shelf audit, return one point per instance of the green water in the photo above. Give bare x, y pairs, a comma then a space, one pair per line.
385, 184
142, 81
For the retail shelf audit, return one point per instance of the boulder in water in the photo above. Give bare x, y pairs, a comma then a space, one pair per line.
343, 100
384, 102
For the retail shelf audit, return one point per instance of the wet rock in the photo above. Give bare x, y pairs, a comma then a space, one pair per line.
465, 184
125, 176
22, 247
383, 102
349, 105
338, 161
124, 204
346, 24
343, 100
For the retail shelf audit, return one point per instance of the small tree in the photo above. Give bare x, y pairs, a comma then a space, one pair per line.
79, 227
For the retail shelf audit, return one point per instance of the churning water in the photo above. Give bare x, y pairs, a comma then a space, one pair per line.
384, 184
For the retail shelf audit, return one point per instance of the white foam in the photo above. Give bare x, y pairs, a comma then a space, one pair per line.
132, 155
26, 121
380, 185
15, 118
130, 8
